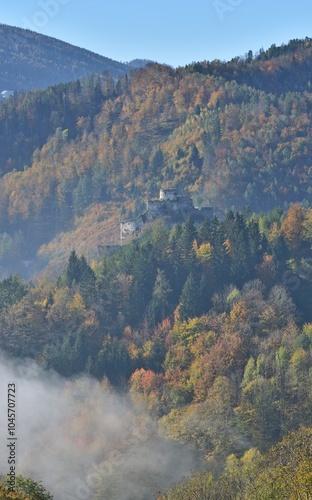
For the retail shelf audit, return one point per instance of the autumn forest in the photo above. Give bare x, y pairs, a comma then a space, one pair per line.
206, 328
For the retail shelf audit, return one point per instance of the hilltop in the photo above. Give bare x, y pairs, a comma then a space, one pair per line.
30, 60
279, 69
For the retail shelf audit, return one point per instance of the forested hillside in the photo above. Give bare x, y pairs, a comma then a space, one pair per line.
275, 70
210, 330
206, 331
201, 129
226, 143
30, 61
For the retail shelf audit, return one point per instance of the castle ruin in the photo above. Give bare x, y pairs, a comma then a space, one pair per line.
170, 206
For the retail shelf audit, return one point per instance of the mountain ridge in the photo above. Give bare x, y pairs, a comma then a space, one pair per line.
22, 49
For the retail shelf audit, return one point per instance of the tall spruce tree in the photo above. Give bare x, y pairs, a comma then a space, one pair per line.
189, 300
73, 270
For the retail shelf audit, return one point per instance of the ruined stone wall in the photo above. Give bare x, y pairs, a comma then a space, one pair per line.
168, 195
130, 227
168, 204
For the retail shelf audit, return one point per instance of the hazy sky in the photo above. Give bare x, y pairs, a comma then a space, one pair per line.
176, 32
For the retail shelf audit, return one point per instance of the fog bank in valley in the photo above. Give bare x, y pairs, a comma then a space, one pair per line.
82, 440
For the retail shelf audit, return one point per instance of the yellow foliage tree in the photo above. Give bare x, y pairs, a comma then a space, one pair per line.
291, 464
204, 253
292, 226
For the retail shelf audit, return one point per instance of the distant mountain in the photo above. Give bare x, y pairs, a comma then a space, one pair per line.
139, 63
29, 60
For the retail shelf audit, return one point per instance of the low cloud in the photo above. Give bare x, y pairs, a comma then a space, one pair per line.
82, 440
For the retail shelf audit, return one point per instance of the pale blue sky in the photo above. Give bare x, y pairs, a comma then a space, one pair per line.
175, 32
